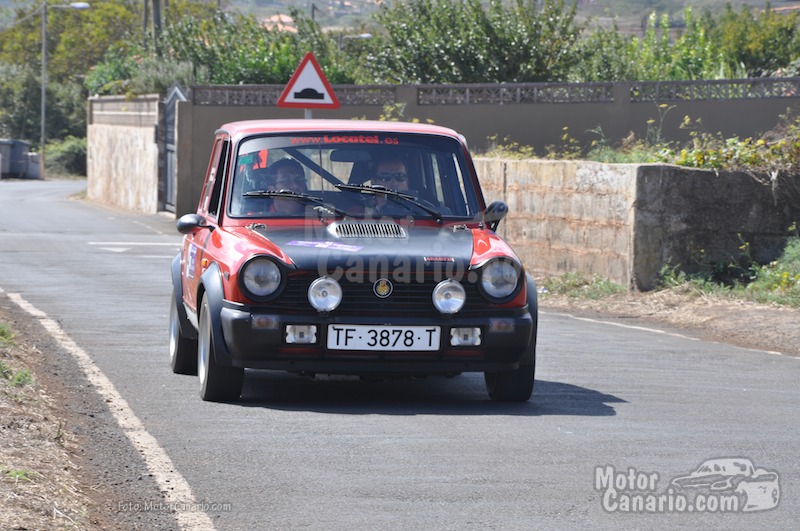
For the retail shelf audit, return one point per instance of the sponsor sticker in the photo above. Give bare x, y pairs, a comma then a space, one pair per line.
325, 245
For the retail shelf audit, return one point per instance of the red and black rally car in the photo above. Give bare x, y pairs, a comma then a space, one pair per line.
348, 247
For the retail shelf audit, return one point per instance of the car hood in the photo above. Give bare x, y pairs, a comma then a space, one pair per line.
366, 246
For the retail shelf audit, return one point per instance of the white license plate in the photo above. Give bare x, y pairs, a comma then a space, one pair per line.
381, 337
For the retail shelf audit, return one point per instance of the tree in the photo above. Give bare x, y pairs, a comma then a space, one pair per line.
669, 50
762, 41
605, 55
76, 40
448, 41
237, 49
19, 93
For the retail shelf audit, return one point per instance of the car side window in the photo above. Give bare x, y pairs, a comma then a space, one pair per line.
450, 185
212, 193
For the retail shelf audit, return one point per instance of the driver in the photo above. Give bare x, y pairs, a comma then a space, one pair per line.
288, 175
390, 173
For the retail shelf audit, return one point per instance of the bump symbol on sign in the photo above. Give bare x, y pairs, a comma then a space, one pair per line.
309, 94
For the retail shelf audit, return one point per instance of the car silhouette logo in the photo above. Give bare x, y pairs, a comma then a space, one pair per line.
759, 489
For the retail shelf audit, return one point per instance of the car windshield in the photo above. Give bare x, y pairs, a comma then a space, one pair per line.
359, 175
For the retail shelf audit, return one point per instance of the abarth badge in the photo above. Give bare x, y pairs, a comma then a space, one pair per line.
382, 288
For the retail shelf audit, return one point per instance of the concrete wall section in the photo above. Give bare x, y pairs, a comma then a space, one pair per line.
122, 156
119, 110
122, 167
695, 220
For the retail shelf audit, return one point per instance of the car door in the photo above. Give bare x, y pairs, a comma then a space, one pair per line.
195, 244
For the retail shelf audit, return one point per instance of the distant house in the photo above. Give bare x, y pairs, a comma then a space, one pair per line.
279, 22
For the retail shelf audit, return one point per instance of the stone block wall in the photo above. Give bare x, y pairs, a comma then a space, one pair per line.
626, 222
565, 216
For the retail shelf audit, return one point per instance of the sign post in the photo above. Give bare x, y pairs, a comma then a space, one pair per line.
308, 88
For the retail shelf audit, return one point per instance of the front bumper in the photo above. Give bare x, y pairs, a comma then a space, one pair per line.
499, 350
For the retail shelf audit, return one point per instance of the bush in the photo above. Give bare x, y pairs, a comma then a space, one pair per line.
67, 156
779, 281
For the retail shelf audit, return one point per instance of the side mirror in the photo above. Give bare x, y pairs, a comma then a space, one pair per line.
190, 223
495, 213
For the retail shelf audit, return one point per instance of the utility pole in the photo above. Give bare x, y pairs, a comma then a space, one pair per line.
157, 26
43, 131
145, 22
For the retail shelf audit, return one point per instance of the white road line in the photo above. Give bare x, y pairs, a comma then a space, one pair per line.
173, 485
157, 231
657, 331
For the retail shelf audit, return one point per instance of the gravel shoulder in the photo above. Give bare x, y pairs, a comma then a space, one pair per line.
64, 461
709, 317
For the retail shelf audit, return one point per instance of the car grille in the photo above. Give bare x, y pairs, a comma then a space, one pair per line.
368, 230
412, 298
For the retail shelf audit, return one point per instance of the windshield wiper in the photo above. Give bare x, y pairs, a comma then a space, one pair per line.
305, 198
395, 195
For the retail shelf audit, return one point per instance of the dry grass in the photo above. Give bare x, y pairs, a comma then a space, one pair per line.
39, 487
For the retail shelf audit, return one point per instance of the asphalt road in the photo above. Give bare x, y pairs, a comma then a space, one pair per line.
340, 453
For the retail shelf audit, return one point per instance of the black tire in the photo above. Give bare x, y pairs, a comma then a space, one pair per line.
217, 383
182, 349
511, 386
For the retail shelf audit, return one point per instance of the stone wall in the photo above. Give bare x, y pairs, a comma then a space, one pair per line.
565, 216
627, 222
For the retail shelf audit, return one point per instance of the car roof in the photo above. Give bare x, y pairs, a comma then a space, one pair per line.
249, 127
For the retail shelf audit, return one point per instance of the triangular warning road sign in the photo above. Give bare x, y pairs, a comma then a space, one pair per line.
308, 88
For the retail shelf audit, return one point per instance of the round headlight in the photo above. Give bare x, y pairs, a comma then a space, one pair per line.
499, 279
260, 278
325, 294
449, 296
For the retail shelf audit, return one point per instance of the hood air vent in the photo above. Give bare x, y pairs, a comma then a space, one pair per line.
368, 230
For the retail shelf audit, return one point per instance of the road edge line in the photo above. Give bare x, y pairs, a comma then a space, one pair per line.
174, 487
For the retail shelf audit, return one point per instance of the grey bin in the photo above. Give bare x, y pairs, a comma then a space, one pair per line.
33, 166
18, 166
5, 157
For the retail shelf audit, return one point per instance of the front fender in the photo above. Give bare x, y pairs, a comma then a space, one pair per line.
211, 285
187, 329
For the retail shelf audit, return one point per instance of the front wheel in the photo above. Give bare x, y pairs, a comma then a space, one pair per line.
182, 349
510, 386
217, 383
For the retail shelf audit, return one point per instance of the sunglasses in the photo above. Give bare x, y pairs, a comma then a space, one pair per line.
399, 177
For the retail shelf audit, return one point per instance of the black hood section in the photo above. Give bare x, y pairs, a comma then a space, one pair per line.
416, 250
